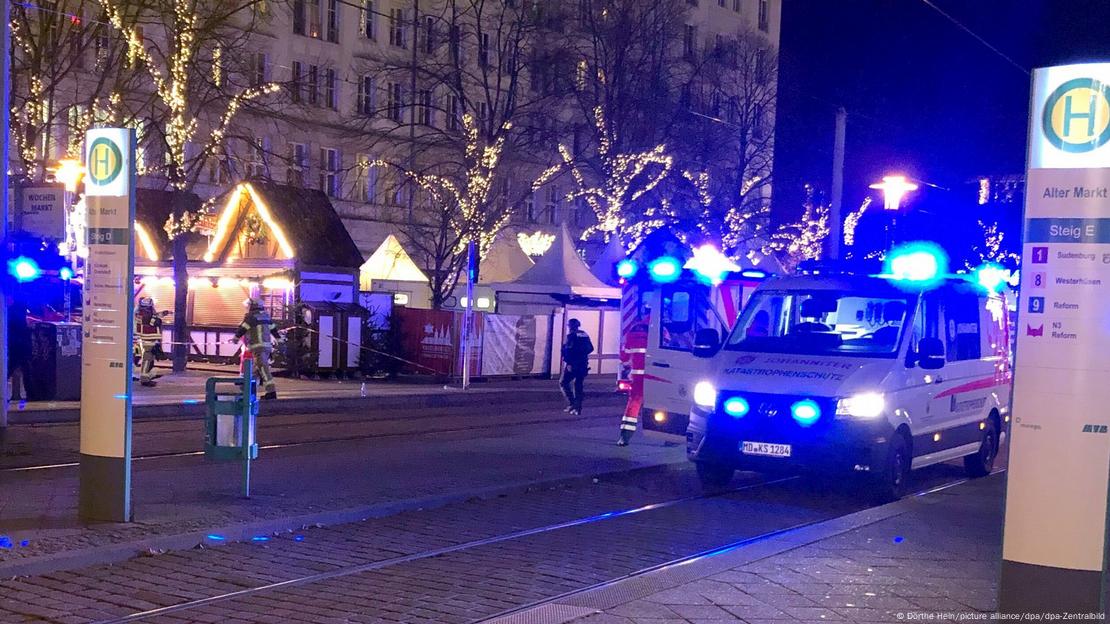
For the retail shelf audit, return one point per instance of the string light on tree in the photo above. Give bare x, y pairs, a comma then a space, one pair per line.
625, 179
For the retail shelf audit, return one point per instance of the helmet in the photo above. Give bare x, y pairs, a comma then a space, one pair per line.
254, 303
146, 302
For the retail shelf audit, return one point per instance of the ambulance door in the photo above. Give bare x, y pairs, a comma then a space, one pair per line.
671, 367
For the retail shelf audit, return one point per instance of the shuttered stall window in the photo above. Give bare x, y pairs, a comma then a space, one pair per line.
219, 307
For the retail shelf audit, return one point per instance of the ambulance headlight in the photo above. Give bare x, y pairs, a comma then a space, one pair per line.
863, 405
705, 394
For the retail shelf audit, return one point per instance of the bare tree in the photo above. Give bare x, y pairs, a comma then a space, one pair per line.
460, 102
68, 72
185, 49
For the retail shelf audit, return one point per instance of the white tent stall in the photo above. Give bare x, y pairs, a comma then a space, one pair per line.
560, 284
390, 269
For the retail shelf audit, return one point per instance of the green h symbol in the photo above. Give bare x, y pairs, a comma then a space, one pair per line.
103, 157
1089, 115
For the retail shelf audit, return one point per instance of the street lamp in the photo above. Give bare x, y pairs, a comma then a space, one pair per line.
69, 172
894, 188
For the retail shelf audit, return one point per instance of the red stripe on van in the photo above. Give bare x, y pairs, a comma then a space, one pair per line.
978, 384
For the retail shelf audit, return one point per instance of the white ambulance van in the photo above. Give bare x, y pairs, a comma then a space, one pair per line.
854, 375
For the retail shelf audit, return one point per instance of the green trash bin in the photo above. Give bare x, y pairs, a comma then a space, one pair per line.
231, 417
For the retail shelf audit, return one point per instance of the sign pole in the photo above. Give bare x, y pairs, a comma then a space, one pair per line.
5, 245
105, 458
468, 314
1055, 533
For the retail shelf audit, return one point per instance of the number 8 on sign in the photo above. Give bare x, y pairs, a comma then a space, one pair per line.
1037, 280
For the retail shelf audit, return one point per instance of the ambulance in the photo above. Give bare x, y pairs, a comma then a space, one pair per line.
853, 375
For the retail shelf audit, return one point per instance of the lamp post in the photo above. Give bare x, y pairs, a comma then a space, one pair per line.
894, 188
69, 171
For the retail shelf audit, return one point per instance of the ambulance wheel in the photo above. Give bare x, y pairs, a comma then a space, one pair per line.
889, 484
714, 475
981, 463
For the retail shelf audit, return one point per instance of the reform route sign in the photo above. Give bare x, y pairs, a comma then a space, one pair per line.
1054, 542
105, 473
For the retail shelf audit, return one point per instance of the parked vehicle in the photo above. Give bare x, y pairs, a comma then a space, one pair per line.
846, 374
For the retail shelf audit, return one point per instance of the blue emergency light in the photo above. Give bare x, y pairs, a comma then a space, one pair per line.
65, 273
920, 265
805, 412
24, 269
665, 269
627, 268
991, 277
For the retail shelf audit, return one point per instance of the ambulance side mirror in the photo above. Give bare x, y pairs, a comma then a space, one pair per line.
930, 353
706, 342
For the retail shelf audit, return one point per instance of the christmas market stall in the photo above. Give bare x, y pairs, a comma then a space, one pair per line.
282, 244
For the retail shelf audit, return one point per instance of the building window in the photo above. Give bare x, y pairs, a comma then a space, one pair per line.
260, 70
257, 167
366, 96
424, 107
101, 42
430, 35
736, 5
366, 180
313, 85
454, 112
552, 203
368, 20
298, 17
455, 37
581, 71
721, 3
397, 28
298, 164
530, 207
219, 169
692, 2
483, 49
331, 91
394, 103
329, 171
332, 33
764, 16
690, 41
312, 18
296, 86
483, 111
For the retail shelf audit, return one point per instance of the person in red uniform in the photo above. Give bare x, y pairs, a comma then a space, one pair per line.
635, 355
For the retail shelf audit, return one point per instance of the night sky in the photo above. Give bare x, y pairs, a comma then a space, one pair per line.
923, 97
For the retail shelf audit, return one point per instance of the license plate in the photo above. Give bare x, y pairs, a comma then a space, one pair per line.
766, 449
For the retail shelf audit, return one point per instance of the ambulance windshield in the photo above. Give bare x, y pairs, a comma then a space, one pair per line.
822, 322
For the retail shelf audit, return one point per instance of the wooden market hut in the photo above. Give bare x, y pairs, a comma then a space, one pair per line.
283, 244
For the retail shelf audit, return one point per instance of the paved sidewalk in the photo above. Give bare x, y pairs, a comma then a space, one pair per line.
182, 394
930, 554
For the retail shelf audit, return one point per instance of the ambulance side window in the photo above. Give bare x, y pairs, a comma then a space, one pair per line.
926, 324
961, 318
677, 327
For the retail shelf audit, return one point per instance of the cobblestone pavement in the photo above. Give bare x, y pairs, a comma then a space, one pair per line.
453, 587
938, 556
187, 494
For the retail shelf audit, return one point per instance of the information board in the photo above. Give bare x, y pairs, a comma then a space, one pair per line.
1056, 499
105, 473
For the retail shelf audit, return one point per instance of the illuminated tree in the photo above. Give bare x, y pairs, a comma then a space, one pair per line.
456, 210
624, 178
189, 50
67, 72
993, 248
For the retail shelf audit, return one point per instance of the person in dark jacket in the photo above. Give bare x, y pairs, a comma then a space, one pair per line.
19, 347
576, 350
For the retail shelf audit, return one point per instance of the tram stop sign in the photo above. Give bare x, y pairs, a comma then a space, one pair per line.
1054, 544
105, 458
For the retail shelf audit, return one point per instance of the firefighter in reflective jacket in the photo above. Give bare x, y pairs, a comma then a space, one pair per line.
147, 339
259, 330
634, 355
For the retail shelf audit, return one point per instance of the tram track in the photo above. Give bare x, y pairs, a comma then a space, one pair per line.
492, 426
693, 538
